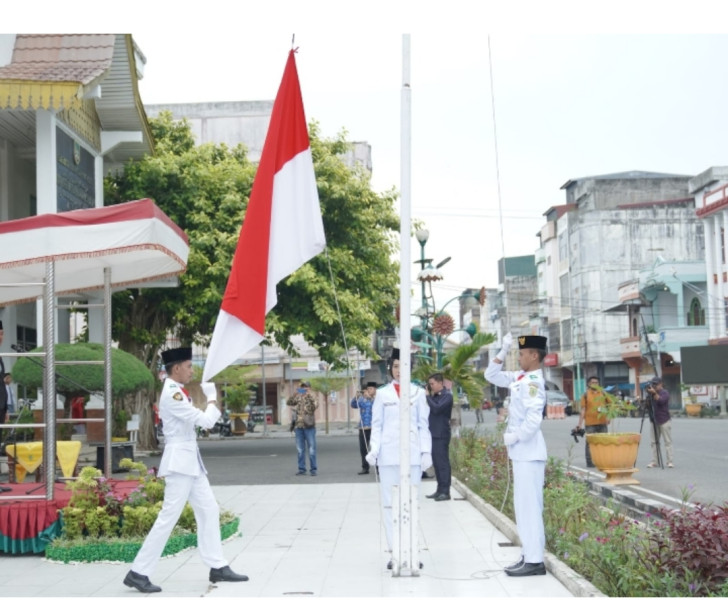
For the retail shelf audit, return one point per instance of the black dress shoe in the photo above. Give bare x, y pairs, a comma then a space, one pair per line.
140, 582
426, 476
226, 574
527, 569
433, 495
301, 473
515, 565
363, 472
441, 497
389, 565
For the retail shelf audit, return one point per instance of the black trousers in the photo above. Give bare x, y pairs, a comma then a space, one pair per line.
587, 450
441, 462
364, 436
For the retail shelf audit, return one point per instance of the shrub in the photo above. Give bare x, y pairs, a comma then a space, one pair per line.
693, 544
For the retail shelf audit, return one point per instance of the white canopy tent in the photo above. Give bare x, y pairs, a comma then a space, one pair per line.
78, 251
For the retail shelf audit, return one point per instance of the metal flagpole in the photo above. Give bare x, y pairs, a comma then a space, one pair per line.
404, 559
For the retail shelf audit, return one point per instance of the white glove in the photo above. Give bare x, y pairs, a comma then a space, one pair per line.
371, 458
426, 461
210, 391
505, 347
509, 438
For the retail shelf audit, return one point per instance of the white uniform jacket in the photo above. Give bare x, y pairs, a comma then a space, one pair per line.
385, 426
525, 411
180, 417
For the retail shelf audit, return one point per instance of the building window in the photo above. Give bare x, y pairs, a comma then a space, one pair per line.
564, 289
563, 248
696, 316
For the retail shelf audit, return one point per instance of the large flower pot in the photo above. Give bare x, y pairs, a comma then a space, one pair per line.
693, 410
615, 455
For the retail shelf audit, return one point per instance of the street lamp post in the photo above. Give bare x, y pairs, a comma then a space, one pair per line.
422, 237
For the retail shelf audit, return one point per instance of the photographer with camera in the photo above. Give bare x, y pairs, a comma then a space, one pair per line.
659, 398
594, 420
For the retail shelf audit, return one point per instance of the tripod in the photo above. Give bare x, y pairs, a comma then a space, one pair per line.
648, 400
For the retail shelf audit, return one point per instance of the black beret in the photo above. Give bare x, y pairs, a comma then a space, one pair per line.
532, 341
176, 355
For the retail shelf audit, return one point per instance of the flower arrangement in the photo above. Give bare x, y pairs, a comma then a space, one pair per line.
100, 523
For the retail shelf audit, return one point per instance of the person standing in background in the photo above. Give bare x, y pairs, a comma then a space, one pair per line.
3, 389
660, 399
364, 401
440, 402
594, 419
305, 406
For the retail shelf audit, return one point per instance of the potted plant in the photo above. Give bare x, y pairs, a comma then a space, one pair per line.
613, 453
692, 408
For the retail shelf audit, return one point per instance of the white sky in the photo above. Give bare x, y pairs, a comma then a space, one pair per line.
566, 105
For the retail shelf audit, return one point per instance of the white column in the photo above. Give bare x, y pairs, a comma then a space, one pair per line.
99, 181
709, 270
45, 184
719, 303
45, 154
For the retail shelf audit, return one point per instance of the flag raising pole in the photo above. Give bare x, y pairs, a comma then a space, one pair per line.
404, 546
282, 229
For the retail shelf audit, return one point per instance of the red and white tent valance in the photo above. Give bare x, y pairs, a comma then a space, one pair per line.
135, 239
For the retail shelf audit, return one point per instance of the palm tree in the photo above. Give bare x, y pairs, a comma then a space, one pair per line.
457, 368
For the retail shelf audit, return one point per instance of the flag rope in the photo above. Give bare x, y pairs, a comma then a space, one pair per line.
346, 349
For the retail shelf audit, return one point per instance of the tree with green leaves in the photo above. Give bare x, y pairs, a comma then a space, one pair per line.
205, 190
458, 369
326, 385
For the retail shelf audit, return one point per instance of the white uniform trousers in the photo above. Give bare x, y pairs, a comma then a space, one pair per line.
388, 478
528, 478
178, 490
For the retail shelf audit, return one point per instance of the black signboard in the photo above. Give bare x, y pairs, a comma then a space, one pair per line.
75, 174
703, 365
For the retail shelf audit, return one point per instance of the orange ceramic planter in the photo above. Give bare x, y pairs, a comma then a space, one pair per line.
615, 454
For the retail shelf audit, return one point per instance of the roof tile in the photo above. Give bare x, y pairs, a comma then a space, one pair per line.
70, 57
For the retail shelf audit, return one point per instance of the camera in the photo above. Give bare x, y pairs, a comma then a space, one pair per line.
577, 432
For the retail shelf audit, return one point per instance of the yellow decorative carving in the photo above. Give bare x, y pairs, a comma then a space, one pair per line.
54, 95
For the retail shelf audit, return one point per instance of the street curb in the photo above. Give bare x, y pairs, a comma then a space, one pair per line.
569, 578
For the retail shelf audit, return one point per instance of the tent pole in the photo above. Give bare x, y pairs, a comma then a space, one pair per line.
49, 383
108, 420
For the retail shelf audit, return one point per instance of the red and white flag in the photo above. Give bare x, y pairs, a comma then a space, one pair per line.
282, 229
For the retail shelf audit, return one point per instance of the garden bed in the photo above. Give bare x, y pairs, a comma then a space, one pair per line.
124, 550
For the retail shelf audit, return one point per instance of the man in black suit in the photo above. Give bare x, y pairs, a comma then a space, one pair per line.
440, 402
3, 389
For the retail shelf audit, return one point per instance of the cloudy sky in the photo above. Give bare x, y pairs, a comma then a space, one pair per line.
572, 98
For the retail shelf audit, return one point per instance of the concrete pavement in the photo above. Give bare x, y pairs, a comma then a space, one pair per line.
323, 541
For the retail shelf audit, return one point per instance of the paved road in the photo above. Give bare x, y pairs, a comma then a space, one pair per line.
700, 454
255, 460
700, 445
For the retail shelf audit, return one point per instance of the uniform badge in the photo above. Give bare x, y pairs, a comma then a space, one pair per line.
177, 396
533, 376
532, 390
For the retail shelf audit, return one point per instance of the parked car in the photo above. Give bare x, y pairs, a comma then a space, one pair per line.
559, 398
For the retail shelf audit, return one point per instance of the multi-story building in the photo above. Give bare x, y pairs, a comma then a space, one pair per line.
611, 227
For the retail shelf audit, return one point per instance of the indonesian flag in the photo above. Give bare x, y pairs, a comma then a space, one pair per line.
282, 229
